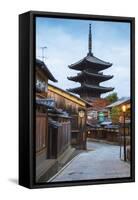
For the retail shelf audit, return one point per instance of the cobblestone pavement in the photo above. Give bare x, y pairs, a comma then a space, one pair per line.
100, 161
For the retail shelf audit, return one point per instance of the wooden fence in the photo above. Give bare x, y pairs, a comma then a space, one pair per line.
63, 136
53, 138
41, 131
59, 138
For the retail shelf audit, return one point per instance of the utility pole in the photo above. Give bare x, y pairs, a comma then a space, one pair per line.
124, 113
124, 140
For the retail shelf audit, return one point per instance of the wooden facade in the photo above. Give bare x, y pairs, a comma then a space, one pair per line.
58, 136
73, 106
53, 127
41, 132
58, 125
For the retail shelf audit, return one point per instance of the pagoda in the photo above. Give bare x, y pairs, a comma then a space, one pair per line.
90, 76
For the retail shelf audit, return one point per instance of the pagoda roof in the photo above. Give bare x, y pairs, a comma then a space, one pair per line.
42, 66
86, 74
92, 62
96, 88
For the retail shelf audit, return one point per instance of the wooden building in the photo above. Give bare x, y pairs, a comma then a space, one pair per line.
76, 109
121, 102
99, 106
42, 77
52, 127
60, 124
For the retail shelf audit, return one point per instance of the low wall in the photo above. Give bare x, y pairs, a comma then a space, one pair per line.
111, 135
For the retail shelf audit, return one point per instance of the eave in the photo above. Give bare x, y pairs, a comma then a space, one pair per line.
41, 66
85, 87
84, 75
90, 62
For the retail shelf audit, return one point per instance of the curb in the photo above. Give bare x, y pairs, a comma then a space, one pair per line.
102, 141
62, 169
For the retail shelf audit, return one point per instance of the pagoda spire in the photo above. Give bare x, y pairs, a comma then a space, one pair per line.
90, 42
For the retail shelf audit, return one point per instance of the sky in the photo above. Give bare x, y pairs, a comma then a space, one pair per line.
67, 42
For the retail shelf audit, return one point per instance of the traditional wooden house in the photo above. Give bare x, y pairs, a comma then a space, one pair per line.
120, 112
42, 77
98, 107
60, 122
53, 128
115, 122
120, 103
77, 110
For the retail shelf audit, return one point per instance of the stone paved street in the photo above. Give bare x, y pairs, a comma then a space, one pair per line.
100, 161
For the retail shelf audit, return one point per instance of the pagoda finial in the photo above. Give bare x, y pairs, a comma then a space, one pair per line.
90, 42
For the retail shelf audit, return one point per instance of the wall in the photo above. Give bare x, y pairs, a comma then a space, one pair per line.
63, 103
76, 123
9, 11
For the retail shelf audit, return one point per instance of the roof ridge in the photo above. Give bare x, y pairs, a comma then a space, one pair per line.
69, 93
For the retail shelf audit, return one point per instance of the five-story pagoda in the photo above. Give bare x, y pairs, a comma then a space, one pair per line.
90, 76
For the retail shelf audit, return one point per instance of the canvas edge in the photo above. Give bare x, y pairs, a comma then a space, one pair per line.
30, 139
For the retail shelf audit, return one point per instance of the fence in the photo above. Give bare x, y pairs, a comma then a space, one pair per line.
59, 137
110, 134
63, 137
41, 131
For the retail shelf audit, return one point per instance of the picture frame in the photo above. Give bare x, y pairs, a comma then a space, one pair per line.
28, 102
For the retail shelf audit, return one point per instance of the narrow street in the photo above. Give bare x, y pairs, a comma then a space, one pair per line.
100, 161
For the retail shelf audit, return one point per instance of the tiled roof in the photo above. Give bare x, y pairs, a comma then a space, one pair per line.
91, 59
91, 87
119, 102
45, 70
87, 74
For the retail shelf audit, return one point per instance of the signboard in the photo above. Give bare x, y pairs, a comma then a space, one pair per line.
101, 116
92, 115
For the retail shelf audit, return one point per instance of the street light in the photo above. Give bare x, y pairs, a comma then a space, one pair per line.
124, 108
124, 111
82, 115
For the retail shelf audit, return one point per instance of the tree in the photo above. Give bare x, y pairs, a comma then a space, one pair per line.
115, 114
111, 98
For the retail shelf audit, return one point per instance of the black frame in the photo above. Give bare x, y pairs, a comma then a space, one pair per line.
27, 100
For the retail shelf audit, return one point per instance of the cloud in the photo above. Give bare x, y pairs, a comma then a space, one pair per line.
64, 48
